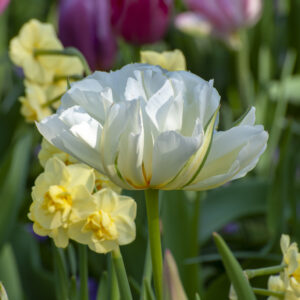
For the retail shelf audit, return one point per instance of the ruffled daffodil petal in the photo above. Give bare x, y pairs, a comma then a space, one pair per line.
169, 60
55, 193
35, 35
109, 224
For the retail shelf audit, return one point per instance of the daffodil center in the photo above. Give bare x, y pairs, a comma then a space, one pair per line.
102, 225
57, 199
296, 275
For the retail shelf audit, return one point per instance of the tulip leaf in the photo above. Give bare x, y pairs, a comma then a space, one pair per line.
234, 271
9, 273
239, 199
13, 179
291, 89
103, 287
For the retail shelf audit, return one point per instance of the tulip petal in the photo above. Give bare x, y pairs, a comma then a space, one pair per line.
233, 153
171, 151
58, 130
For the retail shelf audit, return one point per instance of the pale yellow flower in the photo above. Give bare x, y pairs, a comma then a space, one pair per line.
48, 151
68, 65
32, 104
56, 192
288, 281
169, 60
103, 181
106, 224
35, 35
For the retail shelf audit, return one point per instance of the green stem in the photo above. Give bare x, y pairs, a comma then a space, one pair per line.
83, 272
70, 51
50, 102
154, 238
147, 275
263, 292
69, 77
280, 112
264, 271
121, 274
245, 79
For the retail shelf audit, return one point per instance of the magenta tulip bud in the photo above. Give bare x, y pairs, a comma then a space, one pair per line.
3, 4
141, 21
224, 17
85, 25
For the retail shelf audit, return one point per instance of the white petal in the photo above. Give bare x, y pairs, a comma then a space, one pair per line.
117, 121
56, 129
233, 153
171, 152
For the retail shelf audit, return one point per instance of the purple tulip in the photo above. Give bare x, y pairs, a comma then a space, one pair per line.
224, 17
3, 4
85, 24
141, 21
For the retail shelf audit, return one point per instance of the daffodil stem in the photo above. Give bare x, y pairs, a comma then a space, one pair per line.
264, 292
121, 274
264, 271
70, 51
83, 272
52, 101
152, 205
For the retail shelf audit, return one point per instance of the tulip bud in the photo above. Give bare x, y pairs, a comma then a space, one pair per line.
142, 21
3, 4
3, 295
223, 16
172, 285
85, 25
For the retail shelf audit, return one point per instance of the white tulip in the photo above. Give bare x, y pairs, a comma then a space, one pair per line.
145, 127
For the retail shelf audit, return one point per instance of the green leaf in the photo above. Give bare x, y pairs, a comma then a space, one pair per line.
9, 273
234, 271
291, 89
239, 199
103, 287
179, 213
13, 178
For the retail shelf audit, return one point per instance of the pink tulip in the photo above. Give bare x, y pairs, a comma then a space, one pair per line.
141, 21
222, 16
85, 24
3, 4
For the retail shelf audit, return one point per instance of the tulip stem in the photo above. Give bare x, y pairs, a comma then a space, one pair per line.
152, 205
83, 272
50, 102
69, 51
121, 274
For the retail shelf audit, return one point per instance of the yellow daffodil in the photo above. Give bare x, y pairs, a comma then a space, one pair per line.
32, 104
288, 281
48, 150
35, 35
169, 60
107, 223
54, 195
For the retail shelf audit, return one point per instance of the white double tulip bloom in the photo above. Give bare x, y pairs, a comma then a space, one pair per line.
145, 127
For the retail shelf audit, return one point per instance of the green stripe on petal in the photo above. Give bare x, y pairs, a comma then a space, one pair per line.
194, 165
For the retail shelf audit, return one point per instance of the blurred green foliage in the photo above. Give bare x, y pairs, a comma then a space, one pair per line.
251, 213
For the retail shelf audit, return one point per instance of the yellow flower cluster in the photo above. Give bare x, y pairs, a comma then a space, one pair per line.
65, 206
288, 281
45, 75
169, 60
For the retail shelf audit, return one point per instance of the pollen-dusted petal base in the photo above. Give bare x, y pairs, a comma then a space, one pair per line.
145, 127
